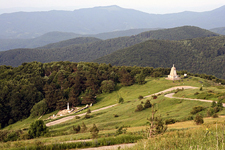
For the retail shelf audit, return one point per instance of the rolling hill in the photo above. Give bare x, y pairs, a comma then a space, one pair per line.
220, 30
101, 19
90, 51
199, 55
53, 37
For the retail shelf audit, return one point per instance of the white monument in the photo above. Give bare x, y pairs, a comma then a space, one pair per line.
173, 74
68, 106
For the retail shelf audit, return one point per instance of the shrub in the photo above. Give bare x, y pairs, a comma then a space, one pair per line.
94, 131
200, 89
140, 97
170, 121
210, 112
154, 96
196, 109
83, 127
139, 107
120, 130
87, 116
37, 128
213, 104
88, 111
196, 93
115, 115
190, 117
198, 119
76, 128
215, 115
77, 117
147, 104
121, 100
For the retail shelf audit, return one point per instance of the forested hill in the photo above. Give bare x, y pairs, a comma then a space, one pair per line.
36, 88
91, 51
199, 55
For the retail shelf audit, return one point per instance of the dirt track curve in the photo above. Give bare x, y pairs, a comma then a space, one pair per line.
71, 117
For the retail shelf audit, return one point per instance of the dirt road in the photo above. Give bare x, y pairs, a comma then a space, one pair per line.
71, 117
202, 100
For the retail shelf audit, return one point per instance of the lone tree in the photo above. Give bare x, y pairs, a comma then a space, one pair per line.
198, 119
157, 125
94, 131
37, 128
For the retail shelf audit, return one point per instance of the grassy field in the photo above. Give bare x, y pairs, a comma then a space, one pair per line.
107, 123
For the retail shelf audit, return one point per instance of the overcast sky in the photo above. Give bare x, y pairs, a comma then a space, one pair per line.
149, 6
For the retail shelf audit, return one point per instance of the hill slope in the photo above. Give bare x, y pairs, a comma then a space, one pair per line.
100, 20
219, 30
199, 55
94, 50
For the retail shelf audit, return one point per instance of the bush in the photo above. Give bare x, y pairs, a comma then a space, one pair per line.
210, 112
198, 119
120, 130
76, 129
121, 100
147, 104
215, 115
139, 108
88, 111
83, 127
37, 128
154, 96
170, 121
87, 116
77, 117
213, 104
140, 97
115, 115
94, 131
200, 89
196, 109
190, 117
196, 93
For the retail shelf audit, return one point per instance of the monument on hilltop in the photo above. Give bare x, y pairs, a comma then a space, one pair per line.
173, 74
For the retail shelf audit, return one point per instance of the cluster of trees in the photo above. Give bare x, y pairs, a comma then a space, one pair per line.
36, 88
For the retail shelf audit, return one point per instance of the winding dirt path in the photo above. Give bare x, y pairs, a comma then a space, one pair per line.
202, 100
71, 117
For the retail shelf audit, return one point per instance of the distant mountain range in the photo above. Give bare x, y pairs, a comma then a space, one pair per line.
101, 19
89, 49
220, 30
53, 37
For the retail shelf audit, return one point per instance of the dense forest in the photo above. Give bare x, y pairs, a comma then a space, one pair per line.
36, 88
50, 86
89, 49
199, 55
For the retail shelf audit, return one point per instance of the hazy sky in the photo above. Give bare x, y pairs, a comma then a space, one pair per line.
149, 6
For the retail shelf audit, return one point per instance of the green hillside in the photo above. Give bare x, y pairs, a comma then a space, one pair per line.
91, 51
199, 55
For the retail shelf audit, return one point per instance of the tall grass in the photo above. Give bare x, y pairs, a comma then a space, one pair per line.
204, 137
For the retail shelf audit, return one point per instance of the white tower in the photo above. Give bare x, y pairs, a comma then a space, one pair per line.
68, 106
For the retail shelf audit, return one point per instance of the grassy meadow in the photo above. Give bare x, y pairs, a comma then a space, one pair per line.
135, 122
